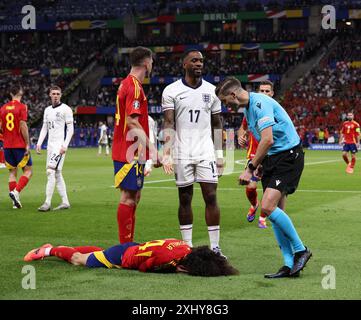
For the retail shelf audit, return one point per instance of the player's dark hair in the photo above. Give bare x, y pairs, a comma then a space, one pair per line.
187, 52
138, 54
54, 87
15, 89
203, 262
223, 88
266, 83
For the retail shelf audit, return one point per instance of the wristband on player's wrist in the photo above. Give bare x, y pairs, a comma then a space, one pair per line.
250, 165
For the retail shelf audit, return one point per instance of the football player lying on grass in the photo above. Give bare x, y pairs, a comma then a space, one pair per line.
167, 255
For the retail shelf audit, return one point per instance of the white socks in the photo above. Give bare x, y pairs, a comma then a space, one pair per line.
107, 150
55, 178
213, 232
60, 184
186, 231
50, 186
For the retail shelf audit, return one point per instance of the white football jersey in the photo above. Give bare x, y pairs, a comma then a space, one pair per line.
56, 119
103, 134
152, 130
193, 108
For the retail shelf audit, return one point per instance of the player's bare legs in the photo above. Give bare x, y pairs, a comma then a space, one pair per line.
185, 213
126, 214
209, 192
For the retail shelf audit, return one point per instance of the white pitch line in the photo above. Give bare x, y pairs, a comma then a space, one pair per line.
238, 189
229, 173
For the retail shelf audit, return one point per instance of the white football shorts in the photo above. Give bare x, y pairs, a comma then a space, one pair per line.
55, 160
188, 172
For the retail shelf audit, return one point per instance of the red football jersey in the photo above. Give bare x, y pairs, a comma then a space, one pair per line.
350, 130
252, 141
11, 114
1, 137
130, 100
147, 256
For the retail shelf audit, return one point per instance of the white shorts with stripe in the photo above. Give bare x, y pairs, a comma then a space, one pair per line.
188, 172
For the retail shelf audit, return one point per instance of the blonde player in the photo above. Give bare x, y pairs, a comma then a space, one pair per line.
56, 116
103, 139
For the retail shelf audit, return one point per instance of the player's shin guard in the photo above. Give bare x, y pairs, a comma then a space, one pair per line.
23, 181
12, 185
50, 186
283, 221
64, 253
186, 231
60, 185
213, 232
285, 246
345, 158
126, 219
252, 196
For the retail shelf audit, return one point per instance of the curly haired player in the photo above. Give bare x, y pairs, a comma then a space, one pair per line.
167, 255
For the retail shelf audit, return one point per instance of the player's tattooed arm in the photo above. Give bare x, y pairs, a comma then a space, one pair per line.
169, 130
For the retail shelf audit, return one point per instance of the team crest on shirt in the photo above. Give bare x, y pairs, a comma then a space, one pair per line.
136, 104
58, 115
206, 97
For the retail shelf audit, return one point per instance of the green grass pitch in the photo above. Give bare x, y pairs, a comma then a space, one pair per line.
325, 210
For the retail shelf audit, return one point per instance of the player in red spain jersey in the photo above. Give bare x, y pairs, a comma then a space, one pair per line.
350, 138
265, 87
130, 143
167, 255
13, 118
2, 157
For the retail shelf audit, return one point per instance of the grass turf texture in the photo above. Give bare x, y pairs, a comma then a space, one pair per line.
325, 211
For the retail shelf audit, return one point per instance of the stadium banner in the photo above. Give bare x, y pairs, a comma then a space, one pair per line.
206, 46
109, 110
34, 72
344, 64
319, 146
230, 16
108, 81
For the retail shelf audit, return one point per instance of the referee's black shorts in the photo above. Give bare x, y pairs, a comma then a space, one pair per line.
282, 171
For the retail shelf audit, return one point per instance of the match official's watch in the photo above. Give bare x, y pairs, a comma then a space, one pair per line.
250, 165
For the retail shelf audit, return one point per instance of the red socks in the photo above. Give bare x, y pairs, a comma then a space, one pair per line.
126, 222
12, 185
2, 157
252, 195
353, 161
345, 158
64, 253
23, 181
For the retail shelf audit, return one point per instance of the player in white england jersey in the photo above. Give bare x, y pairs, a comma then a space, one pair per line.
103, 139
192, 109
56, 118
